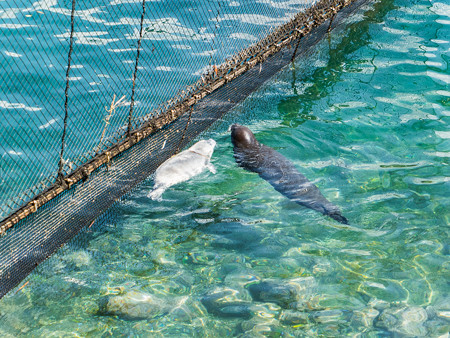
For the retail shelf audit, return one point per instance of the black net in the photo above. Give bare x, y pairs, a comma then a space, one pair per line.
98, 96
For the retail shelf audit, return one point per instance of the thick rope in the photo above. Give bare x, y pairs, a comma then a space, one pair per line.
136, 69
184, 131
66, 104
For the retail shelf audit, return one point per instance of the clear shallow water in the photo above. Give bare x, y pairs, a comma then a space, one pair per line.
367, 122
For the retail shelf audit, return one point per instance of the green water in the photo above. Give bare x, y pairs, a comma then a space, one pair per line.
365, 117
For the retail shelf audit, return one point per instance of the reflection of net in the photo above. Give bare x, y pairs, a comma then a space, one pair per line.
88, 187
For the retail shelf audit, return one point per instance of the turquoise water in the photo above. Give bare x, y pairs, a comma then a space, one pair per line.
181, 41
365, 117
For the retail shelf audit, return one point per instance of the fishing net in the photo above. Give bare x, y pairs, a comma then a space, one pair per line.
96, 95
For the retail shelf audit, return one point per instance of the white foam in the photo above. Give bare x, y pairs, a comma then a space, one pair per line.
443, 22
119, 50
443, 92
202, 71
439, 154
13, 55
15, 25
88, 38
243, 36
430, 180
169, 29
254, 19
9, 105
206, 53
435, 64
442, 134
48, 124
393, 30
9, 13
440, 41
184, 47
290, 4
17, 153
120, 2
441, 8
439, 77
164, 68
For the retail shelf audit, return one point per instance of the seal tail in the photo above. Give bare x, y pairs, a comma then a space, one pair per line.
156, 194
338, 217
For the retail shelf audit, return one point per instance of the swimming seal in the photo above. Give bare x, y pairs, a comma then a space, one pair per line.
279, 172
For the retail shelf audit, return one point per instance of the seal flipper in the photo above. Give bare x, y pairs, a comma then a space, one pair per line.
338, 217
156, 194
211, 168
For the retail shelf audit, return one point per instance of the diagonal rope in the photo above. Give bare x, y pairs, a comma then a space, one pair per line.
66, 104
136, 69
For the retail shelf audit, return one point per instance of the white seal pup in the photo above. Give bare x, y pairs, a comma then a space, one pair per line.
183, 166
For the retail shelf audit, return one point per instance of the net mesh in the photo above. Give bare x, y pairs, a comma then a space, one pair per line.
97, 95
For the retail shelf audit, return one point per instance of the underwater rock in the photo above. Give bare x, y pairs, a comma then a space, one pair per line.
134, 305
240, 278
289, 317
285, 294
405, 320
225, 304
378, 304
260, 327
365, 317
328, 316
282, 294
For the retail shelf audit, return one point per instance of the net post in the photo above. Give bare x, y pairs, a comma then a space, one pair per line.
130, 116
60, 177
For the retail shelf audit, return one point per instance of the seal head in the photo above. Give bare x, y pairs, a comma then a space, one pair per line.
242, 137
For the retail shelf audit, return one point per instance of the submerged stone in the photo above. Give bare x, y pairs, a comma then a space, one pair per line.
289, 317
327, 316
285, 294
365, 317
134, 305
378, 304
260, 327
225, 304
405, 321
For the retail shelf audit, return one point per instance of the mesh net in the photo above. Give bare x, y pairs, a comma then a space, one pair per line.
98, 95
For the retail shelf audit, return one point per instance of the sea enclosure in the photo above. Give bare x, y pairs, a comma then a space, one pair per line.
97, 95
364, 115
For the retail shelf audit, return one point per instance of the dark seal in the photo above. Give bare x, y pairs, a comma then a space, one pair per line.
279, 172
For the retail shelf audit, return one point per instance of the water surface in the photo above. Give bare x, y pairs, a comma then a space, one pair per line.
365, 117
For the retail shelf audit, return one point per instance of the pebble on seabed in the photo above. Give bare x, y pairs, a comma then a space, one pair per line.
405, 320
285, 294
136, 305
225, 303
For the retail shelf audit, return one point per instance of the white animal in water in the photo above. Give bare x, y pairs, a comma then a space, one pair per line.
183, 166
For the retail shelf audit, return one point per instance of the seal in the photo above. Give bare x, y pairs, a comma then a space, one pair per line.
183, 166
279, 172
